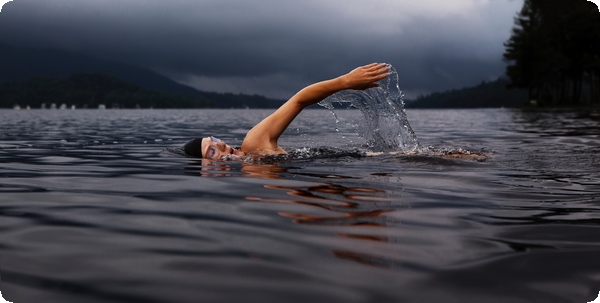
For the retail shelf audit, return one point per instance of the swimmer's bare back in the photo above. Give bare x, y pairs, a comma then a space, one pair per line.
456, 154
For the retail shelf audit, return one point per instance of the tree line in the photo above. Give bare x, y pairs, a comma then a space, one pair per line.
91, 90
554, 52
484, 95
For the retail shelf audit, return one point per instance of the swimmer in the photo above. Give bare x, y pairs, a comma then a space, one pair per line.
262, 138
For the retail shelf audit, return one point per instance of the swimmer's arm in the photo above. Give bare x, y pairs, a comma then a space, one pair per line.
265, 134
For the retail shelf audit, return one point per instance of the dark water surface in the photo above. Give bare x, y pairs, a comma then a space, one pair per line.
93, 209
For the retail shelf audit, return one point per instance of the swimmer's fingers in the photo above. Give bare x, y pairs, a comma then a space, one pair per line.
380, 72
366, 76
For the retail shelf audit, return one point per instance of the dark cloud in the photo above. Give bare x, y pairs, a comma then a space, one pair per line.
274, 47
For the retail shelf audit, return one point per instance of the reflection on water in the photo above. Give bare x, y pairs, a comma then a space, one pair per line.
322, 204
561, 122
343, 206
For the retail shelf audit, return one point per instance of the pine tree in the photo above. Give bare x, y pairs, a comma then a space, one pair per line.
554, 50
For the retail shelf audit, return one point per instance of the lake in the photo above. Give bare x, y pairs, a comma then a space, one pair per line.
96, 207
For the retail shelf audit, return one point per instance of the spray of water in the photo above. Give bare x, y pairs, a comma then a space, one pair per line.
384, 126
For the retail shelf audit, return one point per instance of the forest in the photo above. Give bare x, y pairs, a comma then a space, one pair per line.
91, 90
486, 94
554, 52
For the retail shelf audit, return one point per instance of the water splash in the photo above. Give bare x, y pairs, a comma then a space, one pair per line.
385, 125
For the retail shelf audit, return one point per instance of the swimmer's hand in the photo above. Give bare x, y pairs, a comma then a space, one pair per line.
365, 77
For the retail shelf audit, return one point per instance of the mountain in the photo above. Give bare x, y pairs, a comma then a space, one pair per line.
24, 63
91, 90
486, 94
25, 69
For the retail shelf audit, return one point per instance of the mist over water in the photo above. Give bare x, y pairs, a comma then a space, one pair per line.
384, 124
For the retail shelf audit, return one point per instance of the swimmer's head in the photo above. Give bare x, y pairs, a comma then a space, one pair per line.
209, 148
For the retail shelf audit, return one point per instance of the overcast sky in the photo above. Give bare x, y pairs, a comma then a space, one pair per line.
275, 47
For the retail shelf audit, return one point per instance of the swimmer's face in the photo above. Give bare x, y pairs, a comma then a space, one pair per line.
215, 149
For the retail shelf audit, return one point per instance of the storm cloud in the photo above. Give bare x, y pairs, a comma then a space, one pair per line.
275, 47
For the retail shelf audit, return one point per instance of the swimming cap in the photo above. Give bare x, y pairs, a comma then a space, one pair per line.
193, 147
